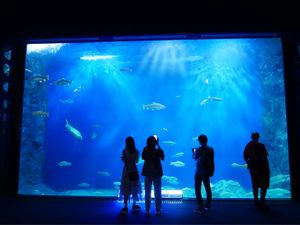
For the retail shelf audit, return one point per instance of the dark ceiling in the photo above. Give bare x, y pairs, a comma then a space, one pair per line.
57, 19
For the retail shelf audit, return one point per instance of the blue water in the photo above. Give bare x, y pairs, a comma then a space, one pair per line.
109, 92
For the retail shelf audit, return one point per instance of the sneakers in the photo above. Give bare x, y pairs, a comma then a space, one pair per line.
124, 211
199, 211
136, 208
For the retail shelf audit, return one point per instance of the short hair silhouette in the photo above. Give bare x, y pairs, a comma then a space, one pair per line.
202, 139
255, 136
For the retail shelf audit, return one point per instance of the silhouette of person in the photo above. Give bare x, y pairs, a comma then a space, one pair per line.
205, 167
152, 170
130, 185
255, 155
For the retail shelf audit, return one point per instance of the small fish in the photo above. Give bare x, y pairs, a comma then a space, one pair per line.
83, 185
61, 82
169, 142
103, 173
64, 163
117, 184
40, 78
206, 81
140, 161
236, 165
170, 179
77, 89
165, 129
179, 154
66, 101
126, 69
215, 98
154, 106
94, 135
76, 133
28, 70
195, 138
177, 164
40, 113
205, 101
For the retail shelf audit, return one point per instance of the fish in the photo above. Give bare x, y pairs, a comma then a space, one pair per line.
154, 106
177, 164
28, 70
179, 154
61, 82
140, 161
94, 135
66, 101
76, 133
236, 165
117, 184
103, 173
169, 142
40, 78
40, 113
83, 185
215, 98
77, 89
126, 69
170, 179
205, 101
195, 138
64, 163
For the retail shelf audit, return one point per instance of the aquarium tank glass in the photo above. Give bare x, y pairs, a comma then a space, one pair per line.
83, 98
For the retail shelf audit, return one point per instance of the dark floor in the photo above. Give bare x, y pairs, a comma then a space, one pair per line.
26, 210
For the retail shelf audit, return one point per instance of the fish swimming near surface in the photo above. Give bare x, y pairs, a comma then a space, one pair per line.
64, 163
40, 113
76, 133
61, 82
236, 165
154, 106
177, 164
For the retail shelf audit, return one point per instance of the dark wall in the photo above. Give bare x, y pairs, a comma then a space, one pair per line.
24, 20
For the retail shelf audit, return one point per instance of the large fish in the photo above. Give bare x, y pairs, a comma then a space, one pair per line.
76, 133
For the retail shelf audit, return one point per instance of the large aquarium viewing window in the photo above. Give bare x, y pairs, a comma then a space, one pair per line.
83, 98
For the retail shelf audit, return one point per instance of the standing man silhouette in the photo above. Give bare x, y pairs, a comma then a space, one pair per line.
255, 155
205, 167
